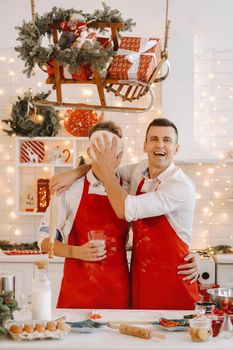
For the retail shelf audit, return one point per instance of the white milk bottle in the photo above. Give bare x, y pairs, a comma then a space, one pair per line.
41, 292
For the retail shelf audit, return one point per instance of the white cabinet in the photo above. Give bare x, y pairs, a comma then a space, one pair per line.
41, 158
23, 276
23, 272
224, 270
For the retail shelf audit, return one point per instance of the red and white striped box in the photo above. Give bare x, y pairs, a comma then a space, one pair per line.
136, 59
32, 152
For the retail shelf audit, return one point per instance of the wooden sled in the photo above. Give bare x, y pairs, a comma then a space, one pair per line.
126, 90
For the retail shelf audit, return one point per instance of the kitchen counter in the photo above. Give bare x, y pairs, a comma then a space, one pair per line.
28, 258
107, 339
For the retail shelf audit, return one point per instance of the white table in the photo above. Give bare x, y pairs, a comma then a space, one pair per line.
110, 339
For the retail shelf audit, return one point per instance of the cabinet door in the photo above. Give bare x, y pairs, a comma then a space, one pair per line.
23, 277
225, 275
55, 276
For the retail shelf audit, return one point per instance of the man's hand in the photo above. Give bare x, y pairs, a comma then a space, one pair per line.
61, 182
191, 269
105, 156
91, 251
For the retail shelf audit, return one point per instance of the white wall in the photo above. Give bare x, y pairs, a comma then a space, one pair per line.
211, 22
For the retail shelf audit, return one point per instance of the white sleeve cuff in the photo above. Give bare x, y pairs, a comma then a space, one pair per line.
131, 208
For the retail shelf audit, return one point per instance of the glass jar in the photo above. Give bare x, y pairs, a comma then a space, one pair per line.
200, 329
41, 292
226, 327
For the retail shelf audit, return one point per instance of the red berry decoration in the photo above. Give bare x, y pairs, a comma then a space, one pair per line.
78, 122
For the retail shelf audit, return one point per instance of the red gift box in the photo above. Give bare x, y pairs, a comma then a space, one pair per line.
75, 26
83, 72
136, 59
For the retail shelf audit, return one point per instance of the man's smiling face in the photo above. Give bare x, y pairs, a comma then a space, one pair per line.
161, 146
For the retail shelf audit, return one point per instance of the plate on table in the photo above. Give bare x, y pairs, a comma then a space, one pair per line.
86, 326
37, 330
173, 325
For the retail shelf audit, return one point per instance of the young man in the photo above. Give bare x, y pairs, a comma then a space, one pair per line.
161, 211
166, 202
95, 274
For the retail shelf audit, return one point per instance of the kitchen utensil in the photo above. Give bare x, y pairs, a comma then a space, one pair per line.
221, 294
7, 282
137, 331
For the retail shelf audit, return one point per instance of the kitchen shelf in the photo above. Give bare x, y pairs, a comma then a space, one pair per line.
33, 165
27, 173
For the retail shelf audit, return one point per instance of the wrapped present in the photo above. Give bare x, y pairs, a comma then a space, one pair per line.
83, 72
75, 26
136, 59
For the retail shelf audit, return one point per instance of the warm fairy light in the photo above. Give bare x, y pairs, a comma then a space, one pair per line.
198, 196
45, 168
39, 84
211, 76
11, 73
217, 194
9, 201
10, 170
211, 171
17, 232
206, 210
129, 149
40, 118
198, 173
13, 215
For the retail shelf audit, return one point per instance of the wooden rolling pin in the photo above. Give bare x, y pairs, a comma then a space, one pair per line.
137, 331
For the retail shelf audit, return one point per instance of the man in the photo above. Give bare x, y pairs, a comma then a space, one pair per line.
161, 211
95, 274
165, 201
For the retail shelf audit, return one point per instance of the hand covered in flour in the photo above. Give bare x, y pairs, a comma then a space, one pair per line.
91, 251
191, 268
106, 153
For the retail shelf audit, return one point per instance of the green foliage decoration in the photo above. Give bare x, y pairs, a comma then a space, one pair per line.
34, 54
21, 124
8, 305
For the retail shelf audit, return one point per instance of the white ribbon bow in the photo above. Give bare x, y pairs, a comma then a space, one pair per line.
134, 56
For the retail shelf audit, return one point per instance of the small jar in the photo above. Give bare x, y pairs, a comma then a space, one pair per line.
200, 329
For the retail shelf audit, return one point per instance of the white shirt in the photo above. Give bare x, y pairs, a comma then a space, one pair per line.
174, 197
68, 203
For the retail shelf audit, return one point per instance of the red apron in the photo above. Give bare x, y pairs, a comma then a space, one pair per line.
103, 284
157, 251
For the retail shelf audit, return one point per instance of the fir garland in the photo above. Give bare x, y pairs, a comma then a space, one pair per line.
30, 37
21, 123
8, 305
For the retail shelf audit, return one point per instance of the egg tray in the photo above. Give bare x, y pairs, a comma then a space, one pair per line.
35, 335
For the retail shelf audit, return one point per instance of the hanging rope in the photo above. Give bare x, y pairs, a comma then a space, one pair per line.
33, 10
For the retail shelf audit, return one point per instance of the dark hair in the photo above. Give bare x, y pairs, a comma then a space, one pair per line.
162, 122
109, 126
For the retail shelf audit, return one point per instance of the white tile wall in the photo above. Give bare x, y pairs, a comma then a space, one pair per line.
212, 224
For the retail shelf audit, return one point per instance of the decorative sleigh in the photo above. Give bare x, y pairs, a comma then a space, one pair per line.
129, 90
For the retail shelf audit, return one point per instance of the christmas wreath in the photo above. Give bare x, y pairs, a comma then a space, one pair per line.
30, 122
33, 53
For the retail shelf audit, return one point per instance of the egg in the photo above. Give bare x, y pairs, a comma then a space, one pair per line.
39, 327
62, 326
16, 329
51, 326
28, 328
